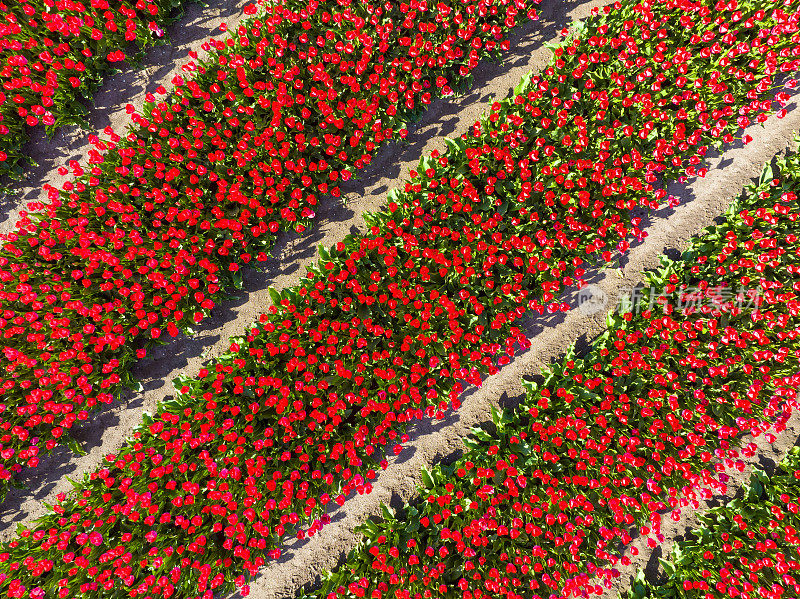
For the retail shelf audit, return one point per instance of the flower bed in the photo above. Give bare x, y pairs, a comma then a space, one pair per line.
389, 324
54, 52
141, 243
80, 284
748, 547
545, 501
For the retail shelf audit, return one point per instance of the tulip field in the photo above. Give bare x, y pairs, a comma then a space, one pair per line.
132, 250
751, 540
557, 183
539, 503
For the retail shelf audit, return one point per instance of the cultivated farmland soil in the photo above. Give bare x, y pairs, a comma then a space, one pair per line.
701, 201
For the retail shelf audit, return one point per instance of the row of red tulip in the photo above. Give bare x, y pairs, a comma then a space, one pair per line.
746, 548
547, 501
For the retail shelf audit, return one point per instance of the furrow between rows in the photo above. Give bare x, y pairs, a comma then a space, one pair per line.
158, 66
